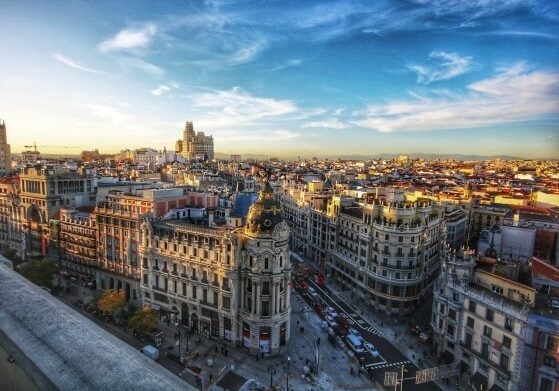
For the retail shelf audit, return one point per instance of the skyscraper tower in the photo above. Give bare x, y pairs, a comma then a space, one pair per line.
5, 152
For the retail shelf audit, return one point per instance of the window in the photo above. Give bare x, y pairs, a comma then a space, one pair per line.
226, 302
450, 330
487, 331
504, 362
546, 384
552, 344
489, 314
506, 342
400, 239
497, 289
451, 314
441, 308
485, 350
184, 288
549, 361
145, 279
194, 293
472, 306
468, 340
265, 308
266, 264
508, 324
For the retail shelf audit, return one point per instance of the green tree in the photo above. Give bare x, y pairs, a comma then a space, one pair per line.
112, 301
39, 272
144, 320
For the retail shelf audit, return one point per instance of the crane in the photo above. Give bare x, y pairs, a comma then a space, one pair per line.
34, 146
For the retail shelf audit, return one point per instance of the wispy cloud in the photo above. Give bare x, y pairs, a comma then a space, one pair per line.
449, 65
333, 123
71, 63
142, 65
131, 38
513, 94
163, 89
225, 108
295, 62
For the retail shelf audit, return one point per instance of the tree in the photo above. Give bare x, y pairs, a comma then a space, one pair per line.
39, 272
112, 301
144, 321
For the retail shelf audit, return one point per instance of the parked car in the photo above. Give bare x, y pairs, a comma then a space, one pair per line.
323, 324
151, 352
371, 349
332, 312
354, 332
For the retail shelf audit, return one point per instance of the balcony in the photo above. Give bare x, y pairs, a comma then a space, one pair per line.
156, 288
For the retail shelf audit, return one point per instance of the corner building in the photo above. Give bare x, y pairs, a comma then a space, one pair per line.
225, 283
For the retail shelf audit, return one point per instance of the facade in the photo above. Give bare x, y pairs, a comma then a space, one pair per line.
483, 217
456, 221
195, 145
44, 190
78, 243
118, 234
227, 283
480, 317
389, 251
5, 152
11, 231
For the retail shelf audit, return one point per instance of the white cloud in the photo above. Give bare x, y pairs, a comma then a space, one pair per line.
513, 94
235, 106
147, 67
71, 63
333, 123
128, 39
160, 90
106, 112
450, 65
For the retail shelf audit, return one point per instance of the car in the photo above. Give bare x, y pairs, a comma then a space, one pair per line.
332, 312
355, 343
323, 324
354, 332
371, 349
554, 303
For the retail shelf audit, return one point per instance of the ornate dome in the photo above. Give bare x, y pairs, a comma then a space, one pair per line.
264, 214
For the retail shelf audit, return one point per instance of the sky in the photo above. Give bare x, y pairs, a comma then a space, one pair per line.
283, 78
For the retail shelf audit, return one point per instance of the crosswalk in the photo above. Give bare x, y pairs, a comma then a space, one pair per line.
386, 365
374, 331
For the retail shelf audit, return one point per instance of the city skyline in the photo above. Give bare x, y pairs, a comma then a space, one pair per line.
299, 79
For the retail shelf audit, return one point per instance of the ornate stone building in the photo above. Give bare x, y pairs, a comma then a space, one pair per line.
78, 243
5, 152
195, 145
224, 282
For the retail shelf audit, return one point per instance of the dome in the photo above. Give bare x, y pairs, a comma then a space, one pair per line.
264, 214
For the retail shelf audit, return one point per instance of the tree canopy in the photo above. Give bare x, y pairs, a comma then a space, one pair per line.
112, 301
144, 320
39, 272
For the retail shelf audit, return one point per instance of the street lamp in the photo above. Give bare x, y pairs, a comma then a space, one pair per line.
288, 361
272, 373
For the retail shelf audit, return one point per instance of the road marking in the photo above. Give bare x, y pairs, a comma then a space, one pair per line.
386, 365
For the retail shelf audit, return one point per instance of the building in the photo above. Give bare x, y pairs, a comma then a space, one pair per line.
483, 217
195, 145
78, 244
91, 156
44, 190
147, 157
228, 283
118, 234
389, 251
11, 232
480, 317
456, 221
5, 152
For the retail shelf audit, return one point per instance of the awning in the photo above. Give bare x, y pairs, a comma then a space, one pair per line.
479, 382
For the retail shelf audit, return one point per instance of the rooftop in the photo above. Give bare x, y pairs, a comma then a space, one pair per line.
58, 348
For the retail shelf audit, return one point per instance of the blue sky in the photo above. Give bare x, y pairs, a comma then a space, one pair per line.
284, 77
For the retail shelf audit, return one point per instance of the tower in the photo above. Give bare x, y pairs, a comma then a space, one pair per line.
5, 153
265, 277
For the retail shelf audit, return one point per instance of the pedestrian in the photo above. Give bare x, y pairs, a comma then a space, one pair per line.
215, 349
351, 371
222, 350
225, 352
211, 377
